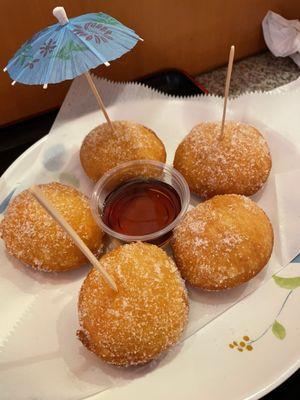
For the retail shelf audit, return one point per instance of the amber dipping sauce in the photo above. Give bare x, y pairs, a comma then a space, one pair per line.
140, 207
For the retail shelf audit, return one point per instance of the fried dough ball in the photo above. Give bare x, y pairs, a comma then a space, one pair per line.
103, 149
35, 238
223, 242
238, 163
145, 317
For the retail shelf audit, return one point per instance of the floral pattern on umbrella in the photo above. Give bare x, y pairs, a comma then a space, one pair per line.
93, 31
47, 47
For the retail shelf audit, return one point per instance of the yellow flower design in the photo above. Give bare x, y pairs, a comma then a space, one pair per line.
242, 345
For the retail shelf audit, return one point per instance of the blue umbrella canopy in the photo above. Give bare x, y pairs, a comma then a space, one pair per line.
70, 48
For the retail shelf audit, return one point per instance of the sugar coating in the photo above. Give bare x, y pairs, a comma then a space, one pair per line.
103, 149
238, 163
222, 242
36, 239
145, 317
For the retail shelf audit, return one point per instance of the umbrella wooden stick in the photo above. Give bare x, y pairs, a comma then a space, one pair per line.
227, 85
99, 99
60, 14
41, 198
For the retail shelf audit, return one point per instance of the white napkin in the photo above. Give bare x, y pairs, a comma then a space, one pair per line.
282, 36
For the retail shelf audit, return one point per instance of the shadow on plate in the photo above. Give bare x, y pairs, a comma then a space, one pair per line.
227, 296
86, 366
25, 277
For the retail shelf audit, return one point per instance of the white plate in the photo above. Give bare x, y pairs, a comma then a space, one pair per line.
204, 366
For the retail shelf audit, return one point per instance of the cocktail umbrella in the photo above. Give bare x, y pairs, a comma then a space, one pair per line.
63, 51
70, 48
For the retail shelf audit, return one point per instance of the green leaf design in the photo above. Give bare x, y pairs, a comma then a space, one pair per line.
69, 179
287, 283
105, 19
66, 51
23, 54
278, 330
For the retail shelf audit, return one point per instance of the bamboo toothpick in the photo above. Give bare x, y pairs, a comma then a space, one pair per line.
227, 85
41, 198
98, 98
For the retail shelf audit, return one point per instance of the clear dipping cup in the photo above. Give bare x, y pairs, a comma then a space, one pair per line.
139, 173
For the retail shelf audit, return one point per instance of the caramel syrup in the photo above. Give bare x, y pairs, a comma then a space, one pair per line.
140, 207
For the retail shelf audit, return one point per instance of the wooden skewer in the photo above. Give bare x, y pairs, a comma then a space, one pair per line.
41, 198
98, 98
227, 85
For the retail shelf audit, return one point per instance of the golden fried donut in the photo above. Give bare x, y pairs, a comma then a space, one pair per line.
103, 149
238, 163
222, 242
145, 317
35, 238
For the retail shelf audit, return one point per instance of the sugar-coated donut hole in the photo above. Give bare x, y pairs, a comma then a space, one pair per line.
145, 317
238, 163
35, 238
223, 242
103, 149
